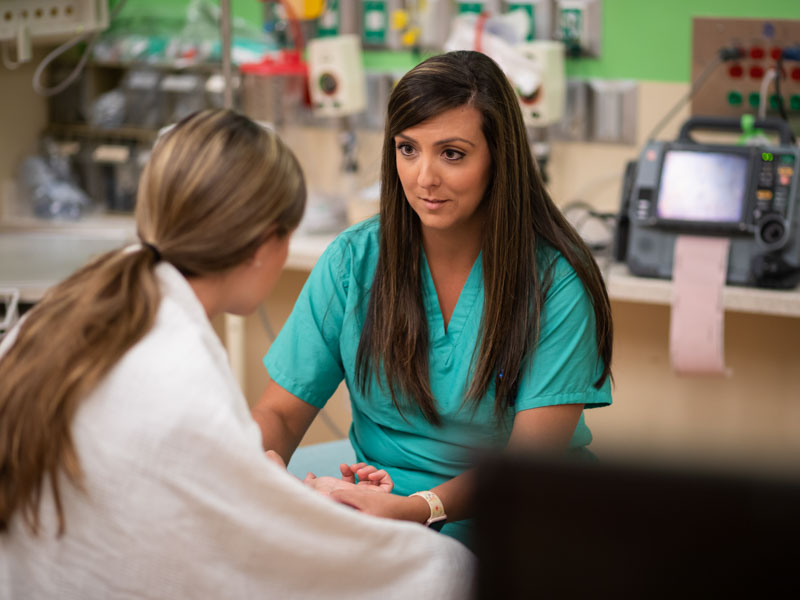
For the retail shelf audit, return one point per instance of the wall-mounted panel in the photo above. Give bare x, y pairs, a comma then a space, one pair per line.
749, 84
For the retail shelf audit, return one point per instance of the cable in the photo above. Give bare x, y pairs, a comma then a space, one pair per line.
70, 79
262, 314
779, 69
297, 33
9, 62
781, 107
724, 54
590, 215
701, 79
762, 102
225, 35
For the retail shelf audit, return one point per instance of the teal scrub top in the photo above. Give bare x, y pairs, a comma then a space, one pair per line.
317, 348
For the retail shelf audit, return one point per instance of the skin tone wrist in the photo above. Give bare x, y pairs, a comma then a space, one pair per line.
418, 510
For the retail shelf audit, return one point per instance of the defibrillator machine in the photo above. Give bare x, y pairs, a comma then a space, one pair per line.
746, 193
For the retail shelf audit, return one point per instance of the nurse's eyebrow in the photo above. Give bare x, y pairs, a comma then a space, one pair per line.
440, 142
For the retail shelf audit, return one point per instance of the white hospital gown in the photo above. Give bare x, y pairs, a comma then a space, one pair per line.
181, 502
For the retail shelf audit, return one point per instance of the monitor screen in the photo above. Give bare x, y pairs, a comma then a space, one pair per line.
702, 186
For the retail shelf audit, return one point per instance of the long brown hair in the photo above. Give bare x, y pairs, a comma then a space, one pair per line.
520, 218
214, 188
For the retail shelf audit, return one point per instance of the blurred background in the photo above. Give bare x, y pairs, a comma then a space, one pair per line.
86, 86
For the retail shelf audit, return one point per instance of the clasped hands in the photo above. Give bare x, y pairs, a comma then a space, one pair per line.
362, 486
369, 477
359, 475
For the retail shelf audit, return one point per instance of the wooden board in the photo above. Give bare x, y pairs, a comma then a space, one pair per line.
742, 78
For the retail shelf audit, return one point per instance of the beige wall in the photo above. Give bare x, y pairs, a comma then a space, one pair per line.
753, 416
277, 308
23, 115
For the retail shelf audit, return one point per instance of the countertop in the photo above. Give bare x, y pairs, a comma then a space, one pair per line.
34, 256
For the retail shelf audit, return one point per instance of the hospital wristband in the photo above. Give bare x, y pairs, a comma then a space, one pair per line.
437, 508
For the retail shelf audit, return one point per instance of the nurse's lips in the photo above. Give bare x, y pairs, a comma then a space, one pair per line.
432, 202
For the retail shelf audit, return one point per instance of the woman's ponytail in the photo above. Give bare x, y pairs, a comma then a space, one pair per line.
213, 188
64, 346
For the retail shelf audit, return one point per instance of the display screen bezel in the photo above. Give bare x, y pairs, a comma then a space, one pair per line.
748, 153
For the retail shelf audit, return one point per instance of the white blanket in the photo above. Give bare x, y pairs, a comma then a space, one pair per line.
181, 502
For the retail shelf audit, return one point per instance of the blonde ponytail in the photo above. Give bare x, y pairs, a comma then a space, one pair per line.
215, 185
68, 342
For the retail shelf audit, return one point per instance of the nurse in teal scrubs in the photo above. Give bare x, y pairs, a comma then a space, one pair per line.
467, 315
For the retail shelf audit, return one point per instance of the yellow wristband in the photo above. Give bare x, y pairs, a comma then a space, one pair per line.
436, 506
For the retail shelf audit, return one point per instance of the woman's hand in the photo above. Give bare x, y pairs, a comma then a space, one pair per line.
326, 484
362, 495
370, 480
368, 477
389, 506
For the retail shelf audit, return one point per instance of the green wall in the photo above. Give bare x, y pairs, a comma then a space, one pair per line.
251, 10
652, 39
642, 39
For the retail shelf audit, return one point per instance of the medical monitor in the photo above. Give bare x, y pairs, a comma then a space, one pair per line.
703, 187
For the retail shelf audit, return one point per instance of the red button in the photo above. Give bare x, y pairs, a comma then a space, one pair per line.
775, 53
756, 52
756, 72
736, 71
796, 73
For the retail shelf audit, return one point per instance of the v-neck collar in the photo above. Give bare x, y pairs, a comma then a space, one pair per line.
462, 310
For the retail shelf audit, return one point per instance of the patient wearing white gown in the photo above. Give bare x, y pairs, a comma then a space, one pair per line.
129, 464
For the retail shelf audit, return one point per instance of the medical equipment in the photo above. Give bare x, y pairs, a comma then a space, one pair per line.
306, 9
274, 90
478, 6
579, 26
747, 194
434, 17
337, 86
765, 78
338, 17
545, 105
9, 311
378, 23
540, 14
336, 77
498, 37
24, 22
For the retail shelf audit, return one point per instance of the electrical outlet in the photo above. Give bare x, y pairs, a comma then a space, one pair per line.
50, 20
579, 26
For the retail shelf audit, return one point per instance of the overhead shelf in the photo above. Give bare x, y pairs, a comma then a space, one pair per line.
81, 130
